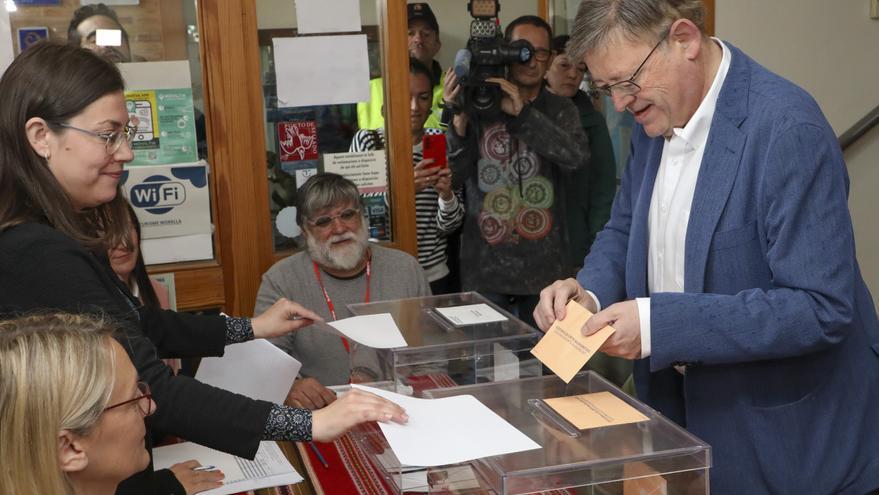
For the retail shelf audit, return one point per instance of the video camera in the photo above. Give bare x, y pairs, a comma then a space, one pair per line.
487, 55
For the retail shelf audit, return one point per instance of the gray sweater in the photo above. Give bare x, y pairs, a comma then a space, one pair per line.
395, 275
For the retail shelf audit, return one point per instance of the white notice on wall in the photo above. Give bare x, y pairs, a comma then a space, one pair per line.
367, 169
321, 70
327, 16
6, 53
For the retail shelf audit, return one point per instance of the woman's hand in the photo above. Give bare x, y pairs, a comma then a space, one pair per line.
281, 318
351, 409
425, 174
443, 184
196, 481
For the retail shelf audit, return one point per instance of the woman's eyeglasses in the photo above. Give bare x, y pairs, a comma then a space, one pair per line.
112, 140
144, 400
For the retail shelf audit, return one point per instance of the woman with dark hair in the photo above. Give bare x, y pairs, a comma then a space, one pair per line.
64, 137
126, 260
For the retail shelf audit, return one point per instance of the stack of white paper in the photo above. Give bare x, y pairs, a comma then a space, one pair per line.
269, 468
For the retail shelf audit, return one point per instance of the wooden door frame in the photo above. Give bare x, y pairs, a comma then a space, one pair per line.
235, 131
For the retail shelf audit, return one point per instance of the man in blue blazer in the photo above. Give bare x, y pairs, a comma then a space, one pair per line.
728, 266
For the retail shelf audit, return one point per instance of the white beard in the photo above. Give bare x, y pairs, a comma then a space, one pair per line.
341, 258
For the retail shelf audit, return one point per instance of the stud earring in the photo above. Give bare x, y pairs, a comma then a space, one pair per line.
46, 155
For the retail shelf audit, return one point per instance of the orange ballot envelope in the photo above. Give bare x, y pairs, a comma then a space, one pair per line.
595, 410
564, 349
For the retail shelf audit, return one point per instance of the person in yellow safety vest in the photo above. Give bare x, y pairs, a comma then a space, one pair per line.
424, 44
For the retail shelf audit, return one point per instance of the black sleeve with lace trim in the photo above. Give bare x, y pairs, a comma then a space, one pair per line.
288, 423
238, 330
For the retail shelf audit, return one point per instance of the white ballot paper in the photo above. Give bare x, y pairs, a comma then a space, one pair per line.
256, 369
378, 331
471, 314
448, 430
269, 468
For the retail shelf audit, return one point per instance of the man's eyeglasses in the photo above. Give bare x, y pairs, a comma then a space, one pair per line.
144, 400
348, 216
628, 87
112, 140
541, 54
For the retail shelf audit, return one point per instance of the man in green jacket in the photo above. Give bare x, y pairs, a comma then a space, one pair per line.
424, 44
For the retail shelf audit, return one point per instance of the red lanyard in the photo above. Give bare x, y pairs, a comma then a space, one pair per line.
330, 305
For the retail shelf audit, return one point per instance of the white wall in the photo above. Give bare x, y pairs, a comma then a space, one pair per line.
829, 48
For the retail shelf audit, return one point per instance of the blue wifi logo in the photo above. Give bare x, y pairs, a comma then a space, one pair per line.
158, 194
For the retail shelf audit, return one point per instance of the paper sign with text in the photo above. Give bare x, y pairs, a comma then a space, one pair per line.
170, 200
564, 349
297, 141
367, 170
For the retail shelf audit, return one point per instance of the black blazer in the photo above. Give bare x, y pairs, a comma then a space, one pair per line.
41, 268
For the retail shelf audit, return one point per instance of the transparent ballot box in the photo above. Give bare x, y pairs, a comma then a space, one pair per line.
652, 457
443, 351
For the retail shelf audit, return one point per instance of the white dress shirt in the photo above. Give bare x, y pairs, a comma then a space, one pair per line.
672, 198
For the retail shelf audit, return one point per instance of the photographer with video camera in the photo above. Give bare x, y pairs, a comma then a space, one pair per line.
511, 145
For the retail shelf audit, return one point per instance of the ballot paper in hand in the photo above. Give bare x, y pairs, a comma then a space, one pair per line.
378, 331
269, 468
448, 430
564, 349
256, 369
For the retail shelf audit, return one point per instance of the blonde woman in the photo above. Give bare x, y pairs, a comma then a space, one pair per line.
71, 407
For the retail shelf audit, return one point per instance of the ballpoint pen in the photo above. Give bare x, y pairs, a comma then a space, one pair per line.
317, 453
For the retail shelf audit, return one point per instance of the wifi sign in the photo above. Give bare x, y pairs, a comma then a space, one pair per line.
158, 194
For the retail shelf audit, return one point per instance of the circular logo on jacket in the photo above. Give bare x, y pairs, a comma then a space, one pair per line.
496, 142
501, 202
525, 164
537, 192
488, 175
493, 228
533, 224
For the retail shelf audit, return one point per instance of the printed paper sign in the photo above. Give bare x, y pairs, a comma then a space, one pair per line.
297, 140
564, 349
471, 314
367, 170
170, 200
160, 96
27, 36
166, 126
167, 280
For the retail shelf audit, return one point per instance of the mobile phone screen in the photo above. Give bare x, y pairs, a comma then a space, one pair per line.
434, 146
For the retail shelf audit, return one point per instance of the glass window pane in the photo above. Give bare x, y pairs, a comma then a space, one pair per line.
156, 43
299, 137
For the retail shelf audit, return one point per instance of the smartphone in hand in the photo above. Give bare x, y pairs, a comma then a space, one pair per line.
434, 146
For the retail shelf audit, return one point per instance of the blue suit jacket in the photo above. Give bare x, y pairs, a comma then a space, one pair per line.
777, 328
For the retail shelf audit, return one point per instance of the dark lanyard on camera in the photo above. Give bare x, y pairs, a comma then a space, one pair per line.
330, 305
